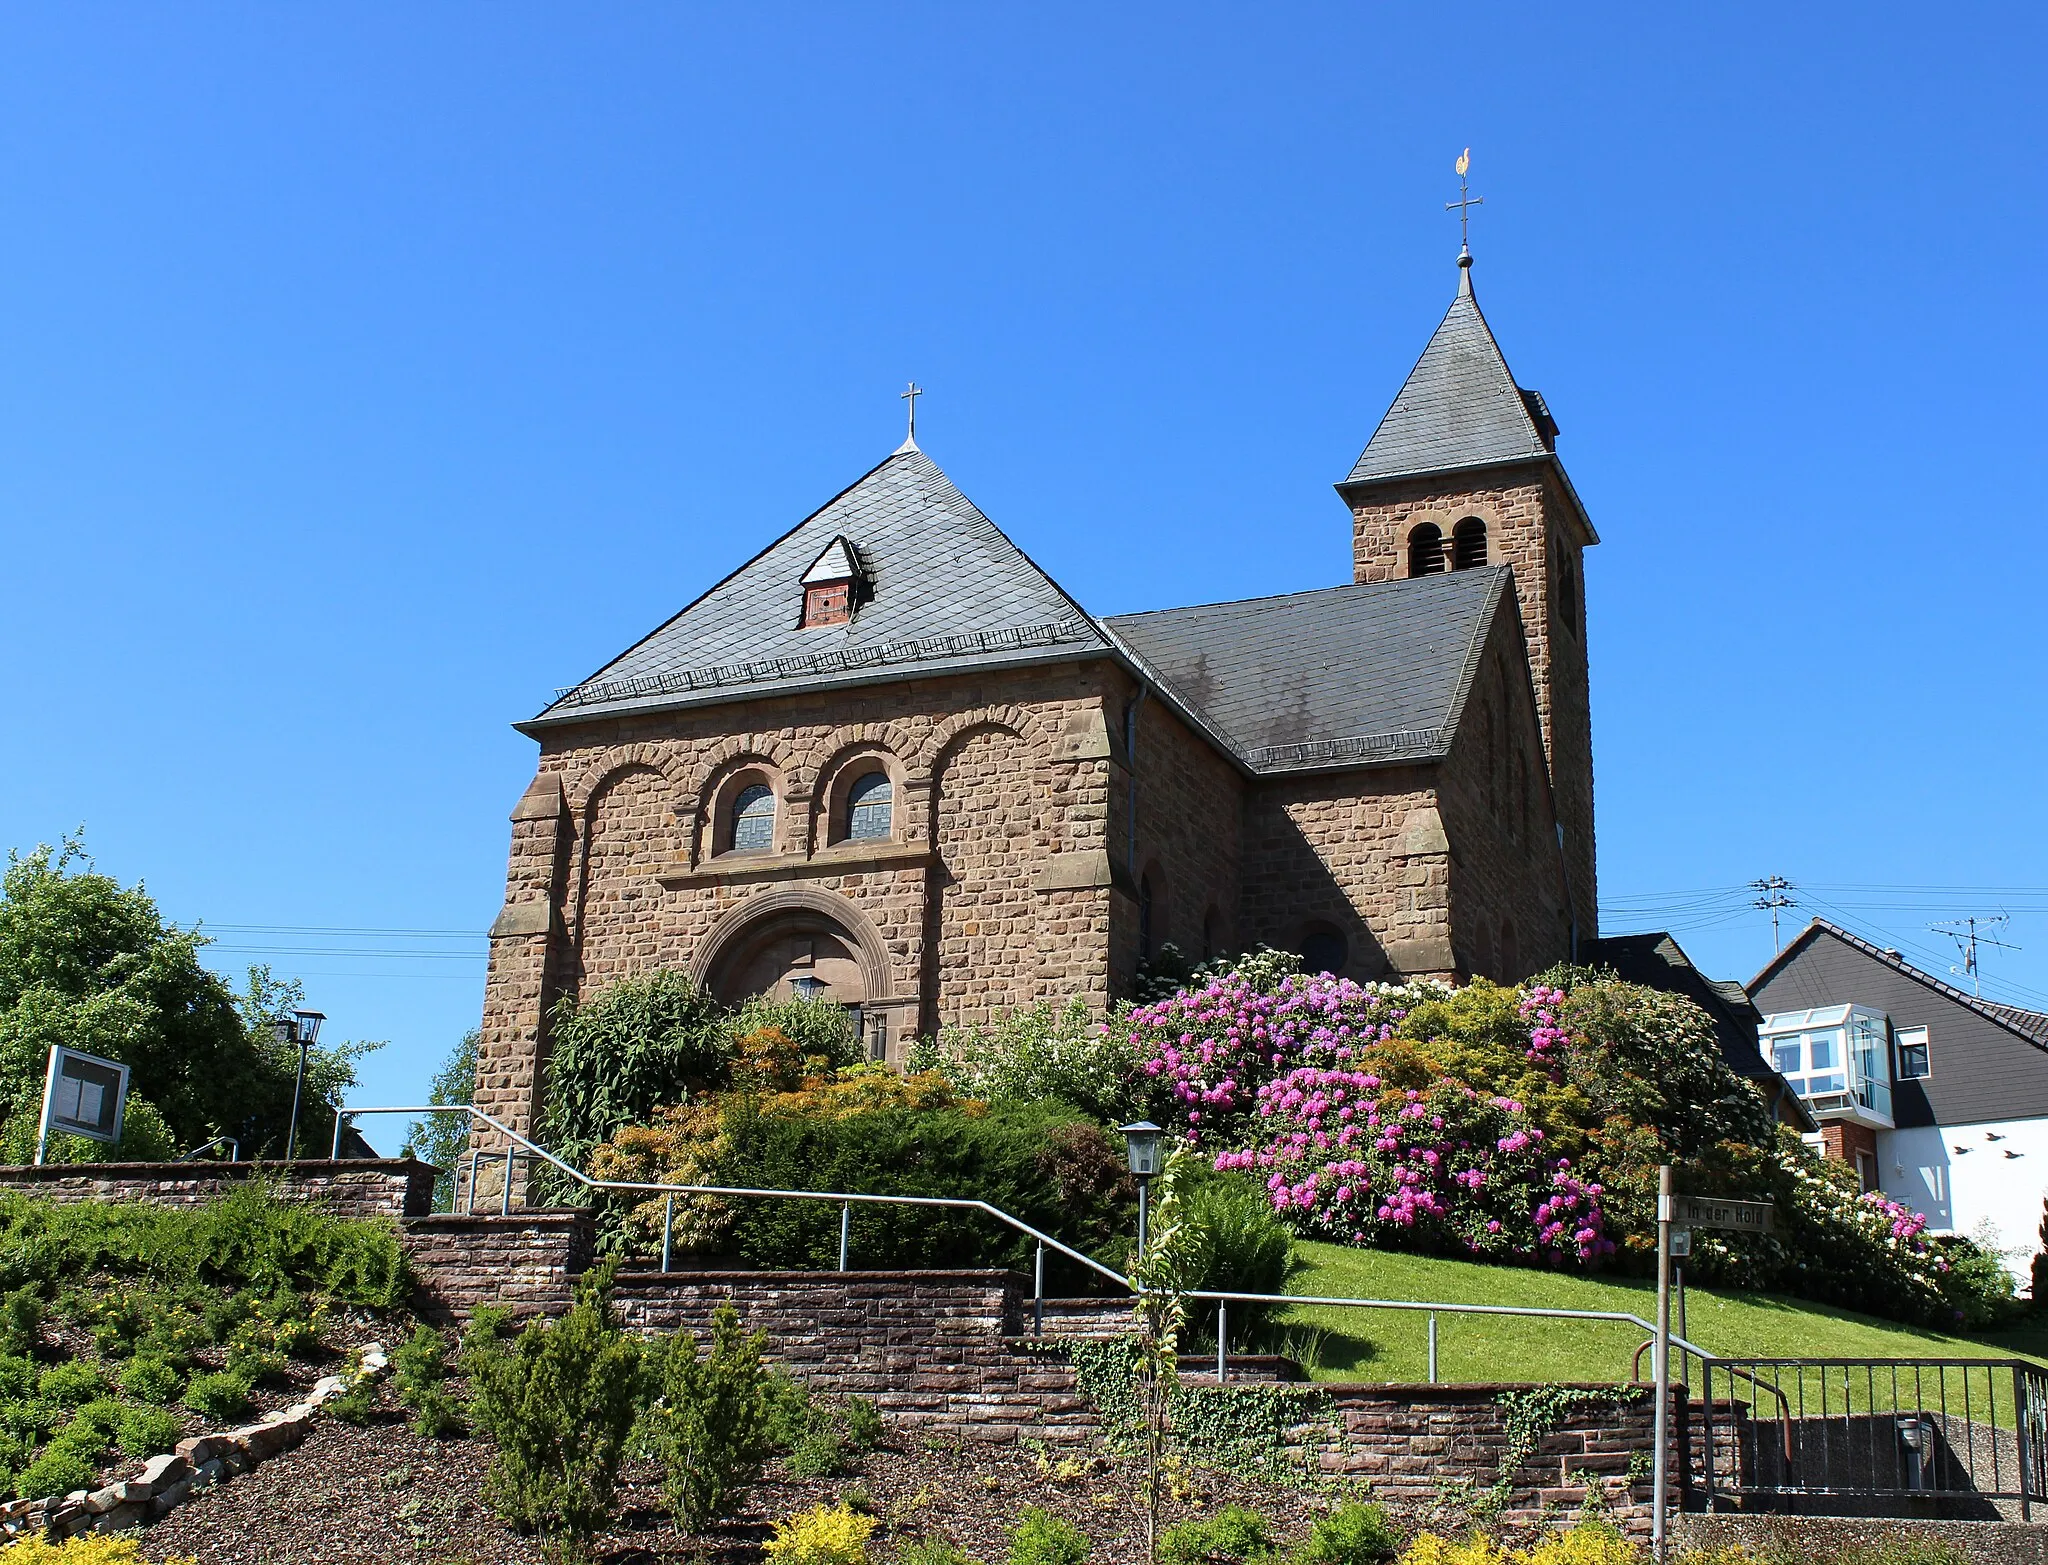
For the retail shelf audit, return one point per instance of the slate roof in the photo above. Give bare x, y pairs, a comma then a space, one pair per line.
2030, 1025
1360, 675
949, 592
1366, 674
1460, 406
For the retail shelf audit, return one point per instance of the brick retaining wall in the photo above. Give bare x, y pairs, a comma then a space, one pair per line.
351, 1187
527, 1262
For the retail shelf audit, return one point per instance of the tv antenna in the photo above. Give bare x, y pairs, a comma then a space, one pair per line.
1964, 932
1772, 889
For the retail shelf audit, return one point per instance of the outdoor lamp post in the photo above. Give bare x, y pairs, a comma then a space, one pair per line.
1141, 1143
301, 1028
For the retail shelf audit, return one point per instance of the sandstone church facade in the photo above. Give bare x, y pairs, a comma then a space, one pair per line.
889, 762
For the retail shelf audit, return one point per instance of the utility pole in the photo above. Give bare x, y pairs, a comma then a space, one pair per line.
1772, 898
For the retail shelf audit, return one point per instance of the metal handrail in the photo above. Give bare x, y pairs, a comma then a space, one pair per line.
234, 1149
516, 1144
846, 1198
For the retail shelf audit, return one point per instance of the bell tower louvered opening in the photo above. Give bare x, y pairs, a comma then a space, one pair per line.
1426, 551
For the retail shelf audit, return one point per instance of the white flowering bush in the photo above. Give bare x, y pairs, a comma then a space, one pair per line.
1038, 1054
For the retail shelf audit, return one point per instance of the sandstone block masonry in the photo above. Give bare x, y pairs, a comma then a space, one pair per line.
350, 1187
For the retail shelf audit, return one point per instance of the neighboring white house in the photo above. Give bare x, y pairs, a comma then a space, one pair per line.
1935, 1096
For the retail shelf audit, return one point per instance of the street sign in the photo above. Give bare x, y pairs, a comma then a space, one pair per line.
1681, 1243
1697, 1211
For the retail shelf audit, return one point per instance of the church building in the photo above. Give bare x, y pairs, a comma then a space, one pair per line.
888, 762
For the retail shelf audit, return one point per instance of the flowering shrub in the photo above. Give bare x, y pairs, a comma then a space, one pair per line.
1361, 1137
1350, 1158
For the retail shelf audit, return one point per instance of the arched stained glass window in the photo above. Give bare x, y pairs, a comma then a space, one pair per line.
753, 819
869, 806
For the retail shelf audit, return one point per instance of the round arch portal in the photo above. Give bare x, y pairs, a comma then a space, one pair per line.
795, 941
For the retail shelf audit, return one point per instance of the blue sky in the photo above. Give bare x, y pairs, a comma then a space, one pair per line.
369, 371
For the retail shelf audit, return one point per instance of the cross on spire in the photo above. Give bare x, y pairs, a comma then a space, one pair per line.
911, 396
1463, 207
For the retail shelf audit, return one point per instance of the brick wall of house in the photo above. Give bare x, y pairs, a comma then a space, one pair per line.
1508, 906
1531, 526
351, 1187
1359, 852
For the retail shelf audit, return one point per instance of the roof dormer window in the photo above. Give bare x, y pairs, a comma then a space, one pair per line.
831, 586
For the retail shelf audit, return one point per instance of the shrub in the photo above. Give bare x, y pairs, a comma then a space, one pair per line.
1352, 1534
59, 1470
1042, 1538
933, 1550
1237, 1243
826, 1535
617, 1056
356, 1403
148, 1431
18, 1378
819, 1453
149, 1379
559, 1401
1589, 1543
790, 1409
709, 1424
862, 1421
1478, 1549
1233, 1536
73, 1383
419, 1371
86, 1549
221, 1397
247, 1239
1041, 1054
21, 1321
899, 1151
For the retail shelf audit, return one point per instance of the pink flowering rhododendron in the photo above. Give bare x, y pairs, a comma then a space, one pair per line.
1281, 1086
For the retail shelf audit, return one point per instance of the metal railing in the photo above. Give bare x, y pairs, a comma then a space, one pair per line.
234, 1149
1963, 1432
518, 1148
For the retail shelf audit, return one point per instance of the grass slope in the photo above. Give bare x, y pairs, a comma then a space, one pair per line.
1392, 1345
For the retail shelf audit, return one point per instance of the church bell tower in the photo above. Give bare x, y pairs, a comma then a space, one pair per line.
1462, 472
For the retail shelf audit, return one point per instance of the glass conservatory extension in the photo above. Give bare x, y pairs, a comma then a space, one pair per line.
1837, 1058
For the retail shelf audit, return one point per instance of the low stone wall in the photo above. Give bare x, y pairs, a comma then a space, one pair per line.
527, 1262
1413, 1442
1817, 1537
350, 1187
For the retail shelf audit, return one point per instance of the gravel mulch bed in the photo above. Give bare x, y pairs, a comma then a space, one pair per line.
382, 1495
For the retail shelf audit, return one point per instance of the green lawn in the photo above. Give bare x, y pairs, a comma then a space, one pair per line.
1391, 1345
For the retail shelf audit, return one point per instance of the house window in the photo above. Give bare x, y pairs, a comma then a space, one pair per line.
1145, 919
1913, 1058
1468, 544
869, 804
753, 819
1426, 550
